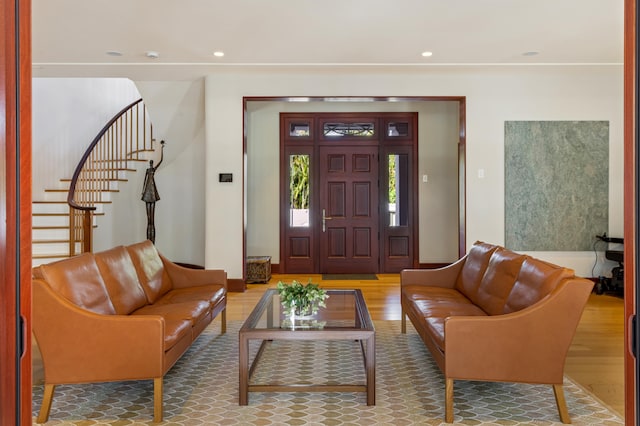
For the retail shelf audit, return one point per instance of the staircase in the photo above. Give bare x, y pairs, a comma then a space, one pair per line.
50, 222
57, 228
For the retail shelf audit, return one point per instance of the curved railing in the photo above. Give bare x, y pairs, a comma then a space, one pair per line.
120, 142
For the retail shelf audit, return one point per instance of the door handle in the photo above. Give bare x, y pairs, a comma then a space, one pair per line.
324, 221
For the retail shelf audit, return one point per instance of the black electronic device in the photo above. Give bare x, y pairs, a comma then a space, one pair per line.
614, 284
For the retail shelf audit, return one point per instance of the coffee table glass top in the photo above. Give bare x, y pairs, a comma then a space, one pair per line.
345, 309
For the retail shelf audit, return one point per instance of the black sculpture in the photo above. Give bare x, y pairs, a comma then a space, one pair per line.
150, 195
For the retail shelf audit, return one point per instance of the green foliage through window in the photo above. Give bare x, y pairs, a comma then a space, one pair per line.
392, 178
299, 181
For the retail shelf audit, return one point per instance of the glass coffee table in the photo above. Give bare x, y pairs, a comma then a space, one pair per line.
345, 318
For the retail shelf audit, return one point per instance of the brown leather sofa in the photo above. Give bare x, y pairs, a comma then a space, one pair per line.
496, 315
126, 313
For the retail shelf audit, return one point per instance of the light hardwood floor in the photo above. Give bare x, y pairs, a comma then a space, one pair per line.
594, 361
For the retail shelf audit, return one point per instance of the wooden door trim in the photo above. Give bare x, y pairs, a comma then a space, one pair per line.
15, 212
630, 202
462, 140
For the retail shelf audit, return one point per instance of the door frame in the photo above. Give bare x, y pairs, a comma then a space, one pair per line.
15, 213
631, 210
461, 100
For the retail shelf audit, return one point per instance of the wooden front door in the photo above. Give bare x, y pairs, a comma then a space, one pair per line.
349, 209
348, 202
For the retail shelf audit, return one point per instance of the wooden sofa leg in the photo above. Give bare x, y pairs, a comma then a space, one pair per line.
558, 391
157, 399
47, 398
223, 321
448, 401
403, 323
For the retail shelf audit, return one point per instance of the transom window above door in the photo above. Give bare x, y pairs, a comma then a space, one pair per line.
339, 130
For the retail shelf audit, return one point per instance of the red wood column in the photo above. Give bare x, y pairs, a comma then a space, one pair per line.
630, 200
15, 212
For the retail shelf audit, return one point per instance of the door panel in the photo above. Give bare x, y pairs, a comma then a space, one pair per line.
349, 203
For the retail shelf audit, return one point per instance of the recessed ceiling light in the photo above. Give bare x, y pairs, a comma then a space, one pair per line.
530, 53
152, 54
218, 54
427, 54
113, 53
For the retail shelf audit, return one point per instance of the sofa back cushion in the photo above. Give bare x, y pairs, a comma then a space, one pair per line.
473, 269
78, 280
150, 269
498, 280
121, 280
535, 281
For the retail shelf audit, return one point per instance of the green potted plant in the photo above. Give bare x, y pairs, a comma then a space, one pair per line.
300, 299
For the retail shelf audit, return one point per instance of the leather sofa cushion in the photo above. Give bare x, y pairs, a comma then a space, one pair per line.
497, 281
190, 311
151, 273
179, 318
434, 305
213, 293
535, 281
473, 269
122, 282
78, 279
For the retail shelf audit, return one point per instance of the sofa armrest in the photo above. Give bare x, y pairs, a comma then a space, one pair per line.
526, 346
441, 277
182, 277
81, 346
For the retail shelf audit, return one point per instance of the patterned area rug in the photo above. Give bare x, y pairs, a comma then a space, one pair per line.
202, 389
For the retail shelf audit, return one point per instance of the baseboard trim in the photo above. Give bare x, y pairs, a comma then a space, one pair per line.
236, 285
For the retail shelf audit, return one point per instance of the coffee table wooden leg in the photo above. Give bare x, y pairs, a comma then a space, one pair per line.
243, 370
370, 365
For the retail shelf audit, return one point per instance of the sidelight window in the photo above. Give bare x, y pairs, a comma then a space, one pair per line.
299, 189
398, 189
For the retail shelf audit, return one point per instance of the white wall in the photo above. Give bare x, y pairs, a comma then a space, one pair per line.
177, 111
494, 95
67, 113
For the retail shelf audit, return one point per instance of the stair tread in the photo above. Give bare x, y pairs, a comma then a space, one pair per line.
115, 169
50, 256
65, 202
48, 202
66, 190
53, 227
52, 241
61, 214
113, 180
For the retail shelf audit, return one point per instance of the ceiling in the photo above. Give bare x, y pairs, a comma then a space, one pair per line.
72, 37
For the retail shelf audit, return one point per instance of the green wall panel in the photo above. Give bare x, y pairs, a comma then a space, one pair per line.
556, 184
